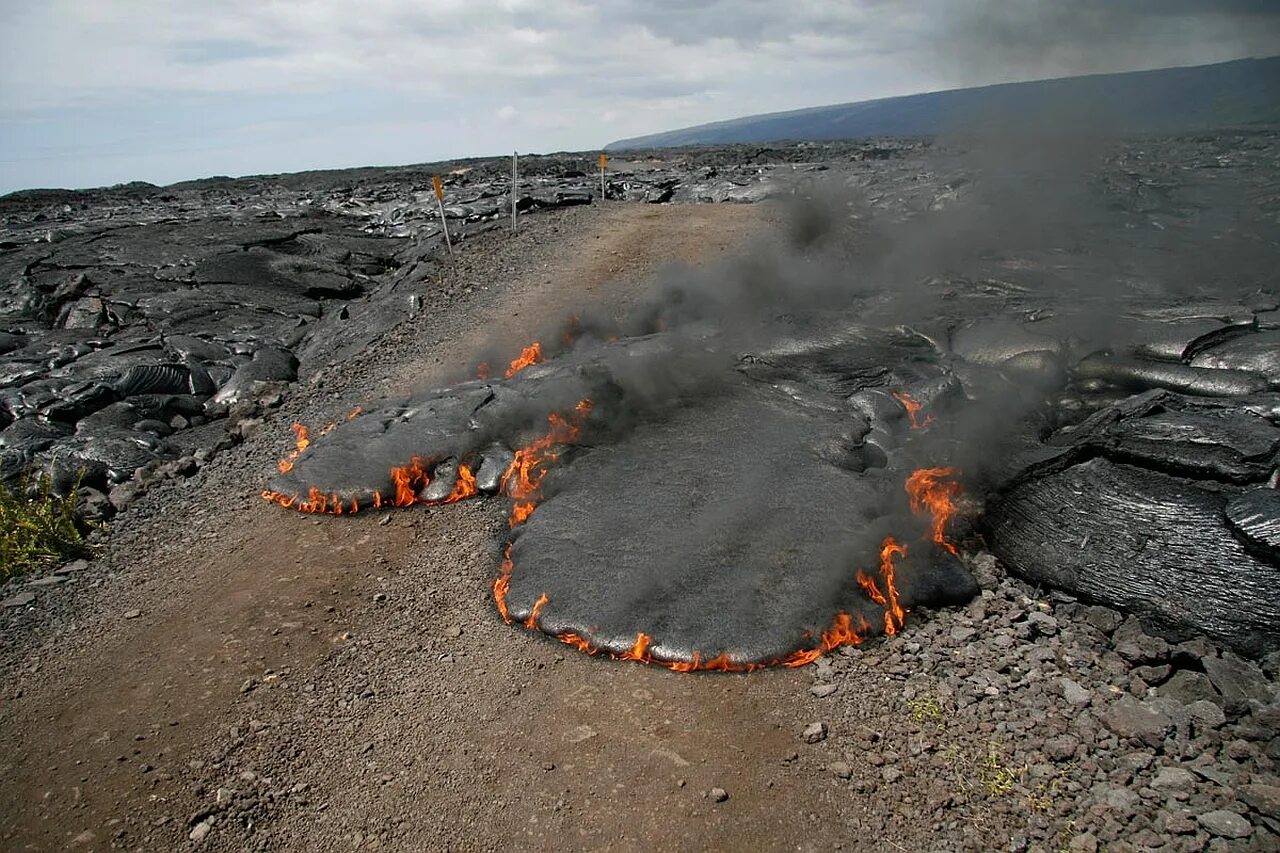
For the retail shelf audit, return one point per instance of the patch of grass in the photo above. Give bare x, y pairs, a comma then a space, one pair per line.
996, 774
925, 709
989, 773
37, 531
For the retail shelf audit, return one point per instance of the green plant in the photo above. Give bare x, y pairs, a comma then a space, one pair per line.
37, 529
998, 776
925, 709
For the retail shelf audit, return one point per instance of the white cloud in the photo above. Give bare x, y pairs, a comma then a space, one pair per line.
537, 74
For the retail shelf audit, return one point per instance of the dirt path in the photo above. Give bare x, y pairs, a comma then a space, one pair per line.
275, 681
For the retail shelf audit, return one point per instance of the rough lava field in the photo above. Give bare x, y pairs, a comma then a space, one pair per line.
972, 452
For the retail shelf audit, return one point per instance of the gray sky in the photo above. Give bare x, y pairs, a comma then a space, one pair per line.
95, 92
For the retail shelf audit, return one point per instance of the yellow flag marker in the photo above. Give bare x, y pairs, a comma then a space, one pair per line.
604, 161
435, 181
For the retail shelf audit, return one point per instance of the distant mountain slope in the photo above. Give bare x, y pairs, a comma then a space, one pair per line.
1243, 92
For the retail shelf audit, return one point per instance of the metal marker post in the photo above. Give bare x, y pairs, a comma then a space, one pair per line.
514, 178
440, 202
604, 158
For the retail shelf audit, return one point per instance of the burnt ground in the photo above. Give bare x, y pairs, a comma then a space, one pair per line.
232, 676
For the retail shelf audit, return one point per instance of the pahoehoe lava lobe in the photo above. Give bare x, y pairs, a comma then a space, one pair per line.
721, 533
707, 516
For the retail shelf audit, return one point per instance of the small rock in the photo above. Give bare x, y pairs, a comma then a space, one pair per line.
718, 795
1061, 748
453, 631
1104, 619
814, 733
1225, 824
1238, 750
1041, 624
1153, 674
1237, 680
1206, 714
1173, 779
840, 769
122, 495
891, 774
1075, 694
22, 599
1215, 776
1136, 646
1129, 718
1085, 842
132, 614
823, 690
47, 580
200, 830
1123, 800
1188, 686
1264, 799
72, 568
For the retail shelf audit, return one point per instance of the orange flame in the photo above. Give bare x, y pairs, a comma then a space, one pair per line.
932, 490
464, 488
894, 614
302, 440
913, 410
532, 621
523, 477
841, 633
639, 651
532, 354
409, 480
502, 584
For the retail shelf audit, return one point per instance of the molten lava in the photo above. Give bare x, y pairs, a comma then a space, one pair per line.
532, 621
532, 354
523, 477
302, 440
933, 490
502, 584
913, 410
894, 614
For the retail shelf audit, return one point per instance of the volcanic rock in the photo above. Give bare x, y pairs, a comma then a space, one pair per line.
814, 733
1225, 824
1130, 718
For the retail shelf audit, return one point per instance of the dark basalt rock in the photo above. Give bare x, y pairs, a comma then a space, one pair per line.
155, 379
1143, 541
1255, 517
1140, 375
1256, 353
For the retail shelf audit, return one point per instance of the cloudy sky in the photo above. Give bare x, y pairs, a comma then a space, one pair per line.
95, 92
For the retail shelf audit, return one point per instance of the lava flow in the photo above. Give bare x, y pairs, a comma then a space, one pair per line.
933, 490
523, 478
894, 614
842, 632
913, 410
532, 354
302, 440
